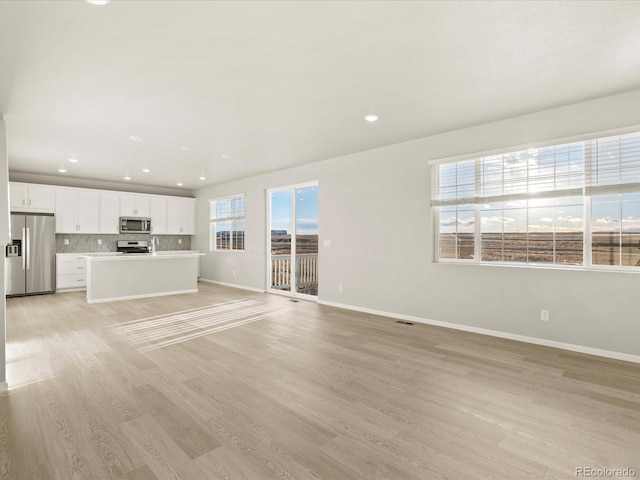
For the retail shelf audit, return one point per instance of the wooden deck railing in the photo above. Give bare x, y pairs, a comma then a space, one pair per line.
306, 272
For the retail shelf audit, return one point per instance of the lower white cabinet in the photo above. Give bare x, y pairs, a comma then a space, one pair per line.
71, 271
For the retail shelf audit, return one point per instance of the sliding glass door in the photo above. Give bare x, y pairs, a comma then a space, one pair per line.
292, 266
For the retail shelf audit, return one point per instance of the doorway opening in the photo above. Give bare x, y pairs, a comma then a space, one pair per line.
292, 232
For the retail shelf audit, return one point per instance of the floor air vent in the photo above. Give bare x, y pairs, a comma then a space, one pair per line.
404, 323
294, 301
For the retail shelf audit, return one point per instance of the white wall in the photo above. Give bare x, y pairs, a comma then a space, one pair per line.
5, 238
374, 207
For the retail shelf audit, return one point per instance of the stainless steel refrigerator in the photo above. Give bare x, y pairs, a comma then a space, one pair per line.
31, 257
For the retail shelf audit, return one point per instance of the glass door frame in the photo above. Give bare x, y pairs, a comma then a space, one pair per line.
269, 264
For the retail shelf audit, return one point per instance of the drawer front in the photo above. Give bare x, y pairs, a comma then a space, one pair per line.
72, 281
69, 257
67, 268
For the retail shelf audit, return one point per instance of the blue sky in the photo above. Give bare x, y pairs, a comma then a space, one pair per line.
306, 210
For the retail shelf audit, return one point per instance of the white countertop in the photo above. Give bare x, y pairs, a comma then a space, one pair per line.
107, 256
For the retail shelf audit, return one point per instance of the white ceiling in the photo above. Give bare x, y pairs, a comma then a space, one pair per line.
278, 84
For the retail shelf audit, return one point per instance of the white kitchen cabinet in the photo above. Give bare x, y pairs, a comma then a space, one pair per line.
27, 197
158, 215
66, 211
71, 271
109, 212
77, 210
181, 216
134, 205
90, 211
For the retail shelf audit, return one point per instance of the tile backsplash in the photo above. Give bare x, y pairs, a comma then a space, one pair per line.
89, 243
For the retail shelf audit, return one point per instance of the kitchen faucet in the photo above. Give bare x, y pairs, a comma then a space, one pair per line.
154, 241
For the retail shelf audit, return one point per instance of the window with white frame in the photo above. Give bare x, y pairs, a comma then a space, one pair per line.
571, 204
226, 226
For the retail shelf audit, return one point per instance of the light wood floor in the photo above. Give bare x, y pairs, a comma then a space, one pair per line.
296, 391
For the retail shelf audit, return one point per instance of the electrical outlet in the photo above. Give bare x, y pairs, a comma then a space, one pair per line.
340, 287
544, 315
99, 242
66, 241
326, 243
179, 241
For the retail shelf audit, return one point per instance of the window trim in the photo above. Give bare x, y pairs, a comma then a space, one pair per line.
587, 263
214, 221
536, 144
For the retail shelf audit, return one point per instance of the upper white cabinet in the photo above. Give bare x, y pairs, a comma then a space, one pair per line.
181, 216
66, 211
134, 205
86, 210
158, 215
27, 197
77, 210
109, 212
173, 215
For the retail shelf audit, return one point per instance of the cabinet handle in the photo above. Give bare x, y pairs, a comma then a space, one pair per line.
79, 268
24, 242
80, 280
23, 202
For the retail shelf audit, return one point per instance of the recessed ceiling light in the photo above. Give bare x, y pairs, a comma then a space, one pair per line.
98, 2
179, 184
127, 177
62, 170
225, 156
202, 177
73, 160
371, 117
133, 138
184, 148
146, 170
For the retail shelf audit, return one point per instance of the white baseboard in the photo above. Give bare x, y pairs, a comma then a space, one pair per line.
4, 386
627, 357
232, 285
144, 295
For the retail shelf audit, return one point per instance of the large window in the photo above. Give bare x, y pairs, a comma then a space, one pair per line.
226, 226
571, 204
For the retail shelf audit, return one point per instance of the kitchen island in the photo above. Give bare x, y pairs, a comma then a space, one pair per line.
125, 277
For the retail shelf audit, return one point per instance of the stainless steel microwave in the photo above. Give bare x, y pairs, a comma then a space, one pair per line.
135, 225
